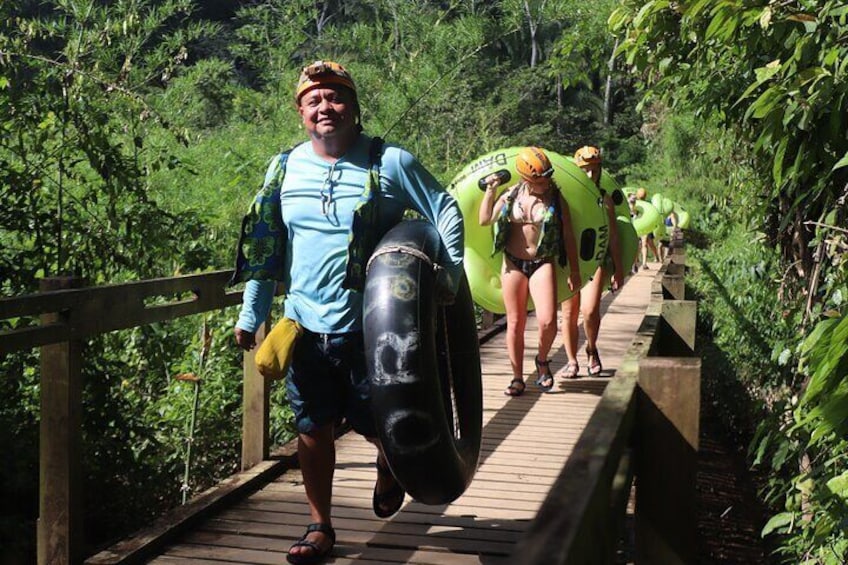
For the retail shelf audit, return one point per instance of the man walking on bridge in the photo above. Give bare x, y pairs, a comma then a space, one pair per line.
332, 199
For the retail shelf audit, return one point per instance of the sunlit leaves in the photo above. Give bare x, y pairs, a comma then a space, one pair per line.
779, 522
77, 80
842, 162
826, 352
793, 93
776, 73
839, 486
765, 73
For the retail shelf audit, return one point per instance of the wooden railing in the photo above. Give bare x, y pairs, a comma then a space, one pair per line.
645, 426
70, 314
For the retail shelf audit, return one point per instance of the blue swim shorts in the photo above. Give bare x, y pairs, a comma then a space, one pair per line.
327, 381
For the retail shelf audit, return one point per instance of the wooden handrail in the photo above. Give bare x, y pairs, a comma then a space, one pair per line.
66, 316
646, 424
96, 310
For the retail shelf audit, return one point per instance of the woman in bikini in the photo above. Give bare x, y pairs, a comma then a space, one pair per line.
611, 271
533, 230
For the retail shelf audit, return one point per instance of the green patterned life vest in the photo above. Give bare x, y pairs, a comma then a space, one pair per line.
548, 247
260, 252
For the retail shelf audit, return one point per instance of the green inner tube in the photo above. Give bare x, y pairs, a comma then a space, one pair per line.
589, 223
647, 218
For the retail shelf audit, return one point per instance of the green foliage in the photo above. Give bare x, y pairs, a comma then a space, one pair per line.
583, 51
773, 74
18, 435
818, 500
813, 523
201, 97
74, 85
733, 284
138, 418
269, 34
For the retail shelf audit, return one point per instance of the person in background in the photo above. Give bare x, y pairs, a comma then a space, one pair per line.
631, 202
670, 223
326, 184
588, 300
533, 230
647, 240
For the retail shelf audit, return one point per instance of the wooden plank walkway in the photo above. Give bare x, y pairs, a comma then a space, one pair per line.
526, 441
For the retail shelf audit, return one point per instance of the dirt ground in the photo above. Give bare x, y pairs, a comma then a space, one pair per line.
730, 517
729, 514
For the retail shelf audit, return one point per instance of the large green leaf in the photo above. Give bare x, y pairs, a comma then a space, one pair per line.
839, 486
841, 163
765, 73
778, 522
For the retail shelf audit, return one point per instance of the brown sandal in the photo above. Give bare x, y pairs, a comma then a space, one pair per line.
516, 388
595, 366
386, 504
570, 371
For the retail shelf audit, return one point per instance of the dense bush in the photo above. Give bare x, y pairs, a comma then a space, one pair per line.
772, 78
781, 390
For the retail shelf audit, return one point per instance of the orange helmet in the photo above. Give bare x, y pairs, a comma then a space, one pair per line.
587, 155
641, 193
322, 73
532, 163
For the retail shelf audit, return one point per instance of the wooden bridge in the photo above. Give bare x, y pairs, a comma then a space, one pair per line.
555, 475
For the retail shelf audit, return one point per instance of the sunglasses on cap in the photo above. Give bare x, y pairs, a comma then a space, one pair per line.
322, 68
546, 174
322, 73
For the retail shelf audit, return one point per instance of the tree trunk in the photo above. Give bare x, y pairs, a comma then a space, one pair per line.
322, 18
608, 88
534, 39
560, 93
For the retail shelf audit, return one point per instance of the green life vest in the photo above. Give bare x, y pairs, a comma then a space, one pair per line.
548, 247
260, 253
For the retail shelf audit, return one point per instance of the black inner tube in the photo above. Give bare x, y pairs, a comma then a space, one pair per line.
423, 361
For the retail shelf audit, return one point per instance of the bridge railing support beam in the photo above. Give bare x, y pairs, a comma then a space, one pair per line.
60, 514
667, 441
256, 409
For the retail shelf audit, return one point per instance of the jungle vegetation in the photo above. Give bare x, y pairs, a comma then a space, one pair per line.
135, 132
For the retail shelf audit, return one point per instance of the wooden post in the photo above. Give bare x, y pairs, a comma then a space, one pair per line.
60, 527
678, 325
673, 283
666, 465
678, 248
255, 435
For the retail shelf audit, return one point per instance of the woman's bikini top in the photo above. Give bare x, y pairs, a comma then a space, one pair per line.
550, 242
534, 215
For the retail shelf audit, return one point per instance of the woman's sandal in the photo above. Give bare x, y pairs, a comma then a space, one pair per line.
317, 554
516, 388
570, 371
543, 369
386, 504
595, 366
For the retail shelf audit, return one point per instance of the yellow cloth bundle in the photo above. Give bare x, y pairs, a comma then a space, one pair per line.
274, 355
